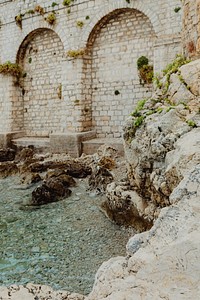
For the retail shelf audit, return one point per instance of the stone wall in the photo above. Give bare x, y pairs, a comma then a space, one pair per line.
116, 86
41, 87
191, 28
61, 93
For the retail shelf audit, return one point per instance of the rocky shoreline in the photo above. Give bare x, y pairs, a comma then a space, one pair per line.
161, 191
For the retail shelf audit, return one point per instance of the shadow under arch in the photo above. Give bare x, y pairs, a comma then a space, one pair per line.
105, 19
28, 38
115, 85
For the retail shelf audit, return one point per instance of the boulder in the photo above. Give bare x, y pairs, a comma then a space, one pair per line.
123, 205
62, 175
73, 168
49, 191
8, 169
99, 180
7, 154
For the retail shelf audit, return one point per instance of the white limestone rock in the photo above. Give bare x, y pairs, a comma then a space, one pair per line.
164, 262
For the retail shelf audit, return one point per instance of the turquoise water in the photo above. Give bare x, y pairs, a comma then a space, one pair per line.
61, 244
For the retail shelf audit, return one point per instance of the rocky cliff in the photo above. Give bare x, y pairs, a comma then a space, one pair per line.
161, 193
162, 147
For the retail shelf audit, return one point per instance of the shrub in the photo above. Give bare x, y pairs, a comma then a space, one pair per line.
9, 68
67, 2
142, 61
80, 24
39, 9
145, 70
75, 53
51, 18
18, 20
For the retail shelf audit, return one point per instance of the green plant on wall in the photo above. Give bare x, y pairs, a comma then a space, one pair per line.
30, 12
53, 4
80, 24
145, 71
75, 53
191, 123
67, 2
39, 9
176, 9
9, 68
51, 18
18, 20
173, 68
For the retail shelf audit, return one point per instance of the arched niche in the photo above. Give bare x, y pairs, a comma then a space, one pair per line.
114, 45
40, 56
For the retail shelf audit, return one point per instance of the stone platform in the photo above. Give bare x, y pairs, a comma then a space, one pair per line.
91, 146
73, 143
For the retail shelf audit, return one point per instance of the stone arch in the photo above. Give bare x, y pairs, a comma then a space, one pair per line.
41, 55
34, 27
121, 5
114, 45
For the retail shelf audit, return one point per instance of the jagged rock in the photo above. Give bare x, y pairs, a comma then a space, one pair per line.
106, 151
36, 292
24, 154
50, 191
31, 178
73, 168
66, 180
162, 263
123, 206
7, 155
99, 180
8, 169
163, 161
178, 92
190, 74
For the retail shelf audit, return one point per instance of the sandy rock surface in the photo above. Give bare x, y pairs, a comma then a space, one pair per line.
36, 292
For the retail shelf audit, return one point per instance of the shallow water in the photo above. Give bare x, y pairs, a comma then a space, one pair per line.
61, 244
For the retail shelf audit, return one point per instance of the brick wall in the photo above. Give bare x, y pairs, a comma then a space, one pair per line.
115, 33
115, 82
191, 28
41, 88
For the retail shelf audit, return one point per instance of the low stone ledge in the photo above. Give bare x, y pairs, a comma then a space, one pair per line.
7, 137
70, 142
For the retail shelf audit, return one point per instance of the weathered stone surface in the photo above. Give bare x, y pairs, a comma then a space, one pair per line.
8, 169
66, 180
178, 92
163, 262
36, 292
163, 160
190, 74
123, 206
73, 168
50, 191
99, 179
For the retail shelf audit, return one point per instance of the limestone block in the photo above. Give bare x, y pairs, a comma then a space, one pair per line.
191, 75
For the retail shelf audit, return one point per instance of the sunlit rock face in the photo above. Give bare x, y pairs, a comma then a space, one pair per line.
163, 185
159, 151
